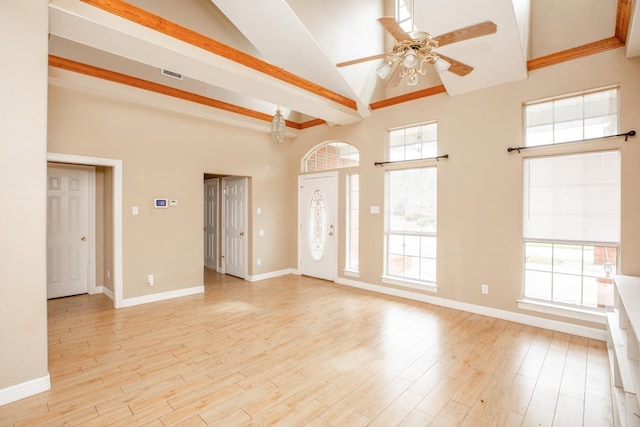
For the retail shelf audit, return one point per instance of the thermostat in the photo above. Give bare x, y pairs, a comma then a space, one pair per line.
160, 203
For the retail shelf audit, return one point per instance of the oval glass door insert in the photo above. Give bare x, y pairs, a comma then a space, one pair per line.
317, 237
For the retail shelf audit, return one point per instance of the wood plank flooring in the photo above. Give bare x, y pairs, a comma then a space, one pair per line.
295, 351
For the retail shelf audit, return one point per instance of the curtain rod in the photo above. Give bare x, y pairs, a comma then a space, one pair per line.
444, 156
626, 137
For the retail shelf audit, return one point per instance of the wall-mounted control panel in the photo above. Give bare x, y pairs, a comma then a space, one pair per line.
161, 203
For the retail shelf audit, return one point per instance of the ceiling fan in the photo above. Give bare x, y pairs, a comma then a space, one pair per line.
413, 50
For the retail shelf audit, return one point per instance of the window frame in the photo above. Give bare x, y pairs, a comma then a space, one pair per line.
406, 130
584, 274
352, 152
407, 23
554, 123
549, 306
349, 268
387, 277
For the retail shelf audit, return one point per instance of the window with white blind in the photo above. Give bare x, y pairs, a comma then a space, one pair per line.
352, 224
571, 228
410, 225
573, 118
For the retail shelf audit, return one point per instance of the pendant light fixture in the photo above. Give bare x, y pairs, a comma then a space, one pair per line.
277, 127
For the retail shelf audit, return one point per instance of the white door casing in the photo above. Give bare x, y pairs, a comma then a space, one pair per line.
117, 168
70, 230
317, 225
211, 223
234, 227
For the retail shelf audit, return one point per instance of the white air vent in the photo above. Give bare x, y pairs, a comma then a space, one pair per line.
172, 74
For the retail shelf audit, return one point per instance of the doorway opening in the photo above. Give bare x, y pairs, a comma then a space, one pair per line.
108, 231
225, 226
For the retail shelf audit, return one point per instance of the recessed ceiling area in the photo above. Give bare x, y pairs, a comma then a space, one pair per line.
238, 67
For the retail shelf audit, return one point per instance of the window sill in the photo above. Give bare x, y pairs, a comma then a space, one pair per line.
413, 284
569, 312
351, 273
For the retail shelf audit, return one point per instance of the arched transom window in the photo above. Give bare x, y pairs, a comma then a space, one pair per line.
331, 155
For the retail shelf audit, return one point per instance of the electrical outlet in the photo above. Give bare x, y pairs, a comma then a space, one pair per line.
485, 289
259, 261
108, 274
150, 279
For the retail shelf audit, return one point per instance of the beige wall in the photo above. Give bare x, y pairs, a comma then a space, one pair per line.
23, 91
480, 185
479, 194
166, 155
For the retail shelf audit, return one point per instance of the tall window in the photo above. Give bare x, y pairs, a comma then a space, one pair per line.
410, 224
403, 14
574, 118
353, 223
410, 206
572, 228
331, 155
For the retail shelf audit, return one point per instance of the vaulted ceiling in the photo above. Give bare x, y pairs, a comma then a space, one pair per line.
237, 60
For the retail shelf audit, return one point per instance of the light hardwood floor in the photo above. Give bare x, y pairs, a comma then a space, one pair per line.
296, 351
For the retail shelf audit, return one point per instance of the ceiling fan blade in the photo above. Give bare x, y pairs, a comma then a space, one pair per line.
359, 60
457, 67
390, 24
466, 33
394, 76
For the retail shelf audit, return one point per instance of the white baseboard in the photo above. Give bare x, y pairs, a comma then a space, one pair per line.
97, 290
26, 389
554, 325
108, 292
270, 275
128, 302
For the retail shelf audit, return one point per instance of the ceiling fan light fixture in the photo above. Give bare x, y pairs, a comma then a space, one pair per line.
441, 65
412, 77
384, 70
409, 59
413, 50
277, 127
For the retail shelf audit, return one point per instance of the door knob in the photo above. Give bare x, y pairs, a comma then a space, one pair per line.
331, 233
242, 233
83, 238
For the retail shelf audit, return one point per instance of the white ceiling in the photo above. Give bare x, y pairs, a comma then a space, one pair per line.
307, 39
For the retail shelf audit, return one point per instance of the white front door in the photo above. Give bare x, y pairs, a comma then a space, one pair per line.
317, 225
211, 223
235, 226
67, 230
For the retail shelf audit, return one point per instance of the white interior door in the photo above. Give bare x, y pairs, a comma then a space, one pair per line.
68, 242
235, 226
317, 225
211, 223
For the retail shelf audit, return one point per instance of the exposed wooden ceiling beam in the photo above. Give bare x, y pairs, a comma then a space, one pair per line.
101, 73
164, 26
623, 19
408, 97
574, 53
